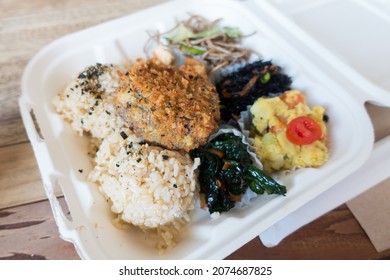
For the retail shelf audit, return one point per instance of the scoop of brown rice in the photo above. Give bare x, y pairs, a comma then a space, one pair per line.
87, 102
147, 186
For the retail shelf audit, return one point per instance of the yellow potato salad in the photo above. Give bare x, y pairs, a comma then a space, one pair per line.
288, 134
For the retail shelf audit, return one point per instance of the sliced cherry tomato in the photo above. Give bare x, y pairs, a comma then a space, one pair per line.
303, 131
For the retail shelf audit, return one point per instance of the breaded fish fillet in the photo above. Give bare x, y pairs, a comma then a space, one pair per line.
175, 107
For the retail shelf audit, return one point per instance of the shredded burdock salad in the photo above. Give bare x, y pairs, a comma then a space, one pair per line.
196, 36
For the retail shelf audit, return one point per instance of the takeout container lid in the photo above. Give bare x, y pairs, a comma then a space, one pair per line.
352, 36
60, 154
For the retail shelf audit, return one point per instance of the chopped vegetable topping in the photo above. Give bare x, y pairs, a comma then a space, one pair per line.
165, 157
89, 80
124, 135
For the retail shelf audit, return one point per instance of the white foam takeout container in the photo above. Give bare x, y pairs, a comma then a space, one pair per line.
356, 42
60, 153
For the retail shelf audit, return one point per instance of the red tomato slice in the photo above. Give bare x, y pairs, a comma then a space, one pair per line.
303, 131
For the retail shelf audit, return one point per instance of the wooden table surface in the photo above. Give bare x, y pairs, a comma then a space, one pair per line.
27, 226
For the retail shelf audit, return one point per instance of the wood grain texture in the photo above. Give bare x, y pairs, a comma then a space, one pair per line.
30, 232
337, 235
20, 180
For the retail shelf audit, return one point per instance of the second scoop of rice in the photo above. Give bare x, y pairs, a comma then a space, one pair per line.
147, 186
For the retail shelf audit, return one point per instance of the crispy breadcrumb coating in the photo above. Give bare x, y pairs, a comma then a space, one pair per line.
175, 107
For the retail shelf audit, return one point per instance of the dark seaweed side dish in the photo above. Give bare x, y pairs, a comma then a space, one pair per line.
243, 87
